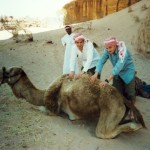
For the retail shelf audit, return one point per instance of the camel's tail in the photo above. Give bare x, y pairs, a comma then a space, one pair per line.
137, 115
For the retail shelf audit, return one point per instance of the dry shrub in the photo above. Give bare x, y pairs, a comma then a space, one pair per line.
144, 7
14, 33
83, 26
130, 9
136, 19
15, 27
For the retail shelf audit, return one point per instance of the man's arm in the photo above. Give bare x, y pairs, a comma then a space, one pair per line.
99, 66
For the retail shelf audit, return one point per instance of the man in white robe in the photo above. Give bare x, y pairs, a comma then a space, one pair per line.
68, 42
86, 52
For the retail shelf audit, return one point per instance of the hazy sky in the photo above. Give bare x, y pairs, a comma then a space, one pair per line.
31, 8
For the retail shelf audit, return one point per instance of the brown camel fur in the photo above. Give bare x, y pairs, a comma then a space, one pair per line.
79, 99
82, 100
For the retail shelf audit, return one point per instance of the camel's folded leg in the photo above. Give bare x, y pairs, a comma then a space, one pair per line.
39, 108
108, 125
43, 110
109, 119
66, 109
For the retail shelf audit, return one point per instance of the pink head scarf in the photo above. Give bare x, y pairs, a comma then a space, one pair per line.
78, 36
110, 41
120, 44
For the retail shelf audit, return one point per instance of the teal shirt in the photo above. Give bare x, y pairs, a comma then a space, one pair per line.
125, 69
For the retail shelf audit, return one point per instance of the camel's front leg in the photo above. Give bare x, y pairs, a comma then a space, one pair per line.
51, 95
51, 105
66, 109
43, 109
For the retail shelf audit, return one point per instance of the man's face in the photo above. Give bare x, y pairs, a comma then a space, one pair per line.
111, 49
80, 44
68, 30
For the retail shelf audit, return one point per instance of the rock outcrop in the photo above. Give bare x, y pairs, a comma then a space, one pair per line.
84, 10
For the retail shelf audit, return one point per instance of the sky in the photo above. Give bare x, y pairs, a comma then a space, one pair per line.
31, 8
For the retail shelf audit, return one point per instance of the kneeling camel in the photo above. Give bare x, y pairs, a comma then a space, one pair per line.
79, 99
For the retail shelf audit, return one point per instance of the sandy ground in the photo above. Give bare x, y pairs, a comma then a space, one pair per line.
21, 127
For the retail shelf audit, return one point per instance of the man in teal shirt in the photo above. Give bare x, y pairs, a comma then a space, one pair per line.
123, 72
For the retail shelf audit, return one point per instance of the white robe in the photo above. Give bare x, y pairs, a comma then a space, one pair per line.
89, 56
67, 41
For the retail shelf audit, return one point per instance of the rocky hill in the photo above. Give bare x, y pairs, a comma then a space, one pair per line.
84, 10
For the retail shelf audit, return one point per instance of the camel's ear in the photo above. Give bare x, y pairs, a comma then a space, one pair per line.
22, 70
4, 69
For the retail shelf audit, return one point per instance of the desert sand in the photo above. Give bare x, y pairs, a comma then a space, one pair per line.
21, 127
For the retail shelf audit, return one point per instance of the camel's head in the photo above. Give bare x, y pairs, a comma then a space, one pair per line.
10, 75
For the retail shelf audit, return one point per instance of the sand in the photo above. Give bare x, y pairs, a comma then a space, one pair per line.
23, 128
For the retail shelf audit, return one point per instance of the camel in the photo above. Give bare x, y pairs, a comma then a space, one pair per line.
79, 99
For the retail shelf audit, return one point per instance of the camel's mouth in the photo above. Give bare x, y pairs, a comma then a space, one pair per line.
1, 76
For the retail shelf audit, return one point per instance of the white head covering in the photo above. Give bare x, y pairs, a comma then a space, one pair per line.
79, 36
110, 41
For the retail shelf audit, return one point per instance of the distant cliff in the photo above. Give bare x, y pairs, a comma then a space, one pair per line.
84, 10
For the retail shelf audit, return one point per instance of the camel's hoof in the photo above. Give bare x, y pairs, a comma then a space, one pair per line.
134, 126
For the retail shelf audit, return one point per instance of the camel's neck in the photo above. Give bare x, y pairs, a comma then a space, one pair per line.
23, 88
